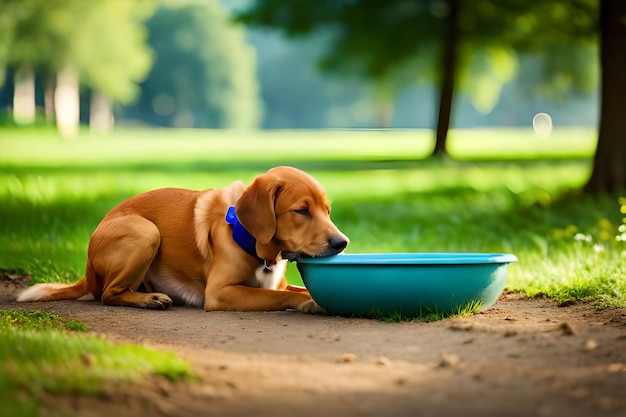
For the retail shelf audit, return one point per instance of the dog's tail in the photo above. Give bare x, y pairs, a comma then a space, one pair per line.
54, 292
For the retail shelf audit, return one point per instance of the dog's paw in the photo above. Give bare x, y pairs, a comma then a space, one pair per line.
311, 307
158, 301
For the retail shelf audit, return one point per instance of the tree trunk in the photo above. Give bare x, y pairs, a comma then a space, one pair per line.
384, 95
48, 98
24, 108
100, 114
448, 67
67, 102
609, 173
384, 112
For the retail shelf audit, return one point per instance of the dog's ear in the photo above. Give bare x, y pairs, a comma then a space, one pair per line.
255, 208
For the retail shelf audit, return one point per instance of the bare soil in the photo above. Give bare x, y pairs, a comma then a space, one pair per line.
522, 357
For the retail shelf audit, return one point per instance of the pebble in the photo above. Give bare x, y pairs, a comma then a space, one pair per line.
347, 358
590, 345
449, 360
567, 328
88, 359
384, 361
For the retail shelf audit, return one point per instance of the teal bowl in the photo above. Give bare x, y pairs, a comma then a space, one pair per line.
412, 284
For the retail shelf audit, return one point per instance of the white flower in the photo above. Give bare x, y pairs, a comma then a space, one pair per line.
580, 237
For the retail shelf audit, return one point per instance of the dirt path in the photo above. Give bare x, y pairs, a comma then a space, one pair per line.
520, 358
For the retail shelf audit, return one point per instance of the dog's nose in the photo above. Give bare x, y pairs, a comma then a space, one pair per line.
338, 243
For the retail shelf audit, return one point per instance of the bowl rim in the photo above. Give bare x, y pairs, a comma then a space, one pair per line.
413, 258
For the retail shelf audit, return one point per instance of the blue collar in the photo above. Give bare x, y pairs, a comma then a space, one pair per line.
240, 235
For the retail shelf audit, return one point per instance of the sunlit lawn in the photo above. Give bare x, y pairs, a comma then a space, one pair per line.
41, 352
494, 197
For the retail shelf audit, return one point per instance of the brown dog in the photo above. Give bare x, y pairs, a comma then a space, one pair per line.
180, 246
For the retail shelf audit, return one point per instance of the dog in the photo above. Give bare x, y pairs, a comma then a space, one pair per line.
220, 249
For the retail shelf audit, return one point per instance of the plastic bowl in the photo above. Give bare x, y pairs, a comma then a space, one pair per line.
412, 284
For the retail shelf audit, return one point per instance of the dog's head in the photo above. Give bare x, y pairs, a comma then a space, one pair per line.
287, 211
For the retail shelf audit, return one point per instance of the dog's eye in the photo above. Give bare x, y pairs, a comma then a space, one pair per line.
303, 212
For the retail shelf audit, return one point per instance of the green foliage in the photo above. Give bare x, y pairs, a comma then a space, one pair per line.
103, 40
26, 33
108, 45
385, 41
487, 73
204, 72
561, 73
41, 352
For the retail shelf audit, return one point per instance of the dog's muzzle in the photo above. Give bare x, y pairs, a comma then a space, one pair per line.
336, 244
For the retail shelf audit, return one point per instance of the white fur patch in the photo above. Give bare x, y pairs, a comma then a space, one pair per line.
39, 291
270, 279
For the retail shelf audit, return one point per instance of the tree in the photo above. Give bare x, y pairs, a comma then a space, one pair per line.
609, 164
396, 43
101, 42
107, 51
451, 40
25, 43
384, 36
204, 72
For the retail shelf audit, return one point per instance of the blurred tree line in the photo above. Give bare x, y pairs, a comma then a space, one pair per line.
183, 63
99, 43
297, 95
389, 42
471, 44
167, 63
204, 73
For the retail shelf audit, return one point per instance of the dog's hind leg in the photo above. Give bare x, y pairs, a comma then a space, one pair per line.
121, 251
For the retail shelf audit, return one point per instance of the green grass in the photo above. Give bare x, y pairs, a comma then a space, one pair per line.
37, 321
41, 352
242, 150
427, 314
506, 191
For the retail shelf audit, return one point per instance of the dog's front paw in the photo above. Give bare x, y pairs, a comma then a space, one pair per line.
311, 307
158, 301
